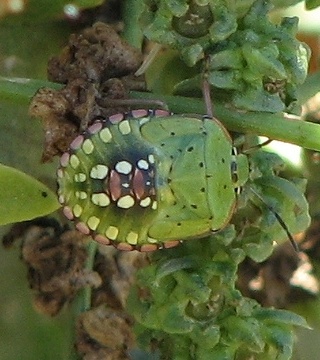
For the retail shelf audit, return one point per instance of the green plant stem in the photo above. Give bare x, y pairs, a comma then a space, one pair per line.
21, 90
274, 126
87, 291
132, 29
84, 297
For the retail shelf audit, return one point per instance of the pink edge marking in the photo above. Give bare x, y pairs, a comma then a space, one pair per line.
95, 127
68, 213
64, 160
171, 244
123, 246
102, 239
149, 247
116, 118
83, 228
139, 113
77, 142
160, 112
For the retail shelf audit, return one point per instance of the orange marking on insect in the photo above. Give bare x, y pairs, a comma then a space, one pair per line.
114, 185
138, 184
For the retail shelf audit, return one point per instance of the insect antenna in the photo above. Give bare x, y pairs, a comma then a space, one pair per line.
279, 219
257, 147
133, 103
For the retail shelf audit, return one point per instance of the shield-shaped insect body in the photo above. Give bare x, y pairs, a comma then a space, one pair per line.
149, 179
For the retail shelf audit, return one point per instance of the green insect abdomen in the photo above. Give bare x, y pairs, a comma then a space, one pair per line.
148, 179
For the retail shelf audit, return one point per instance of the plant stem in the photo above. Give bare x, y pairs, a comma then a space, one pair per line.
83, 300
132, 30
21, 90
84, 297
275, 126
272, 125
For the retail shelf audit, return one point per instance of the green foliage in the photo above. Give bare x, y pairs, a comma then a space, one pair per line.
255, 64
284, 196
312, 4
21, 90
194, 312
185, 300
23, 197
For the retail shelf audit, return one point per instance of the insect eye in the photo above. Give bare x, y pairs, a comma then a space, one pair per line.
234, 177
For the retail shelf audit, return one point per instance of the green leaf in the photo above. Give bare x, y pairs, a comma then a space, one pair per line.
245, 330
174, 265
280, 316
221, 352
23, 197
312, 4
287, 200
191, 286
282, 341
20, 90
258, 99
265, 59
207, 338
229, 79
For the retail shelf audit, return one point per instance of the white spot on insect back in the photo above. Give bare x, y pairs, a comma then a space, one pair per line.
80, 177
82, 195
143, 164
151, 159
123, 167
143, 120
132, 238
99, 171
112, 232
61, 199
60, 173
74, 161
87, 146
105, 135
77, 210
152, 240
145, 202
100, 199
93, 222
124, 127
126, 202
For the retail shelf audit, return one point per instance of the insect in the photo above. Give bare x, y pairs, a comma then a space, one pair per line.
148, 179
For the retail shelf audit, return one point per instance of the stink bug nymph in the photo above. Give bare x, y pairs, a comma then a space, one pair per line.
148, 179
